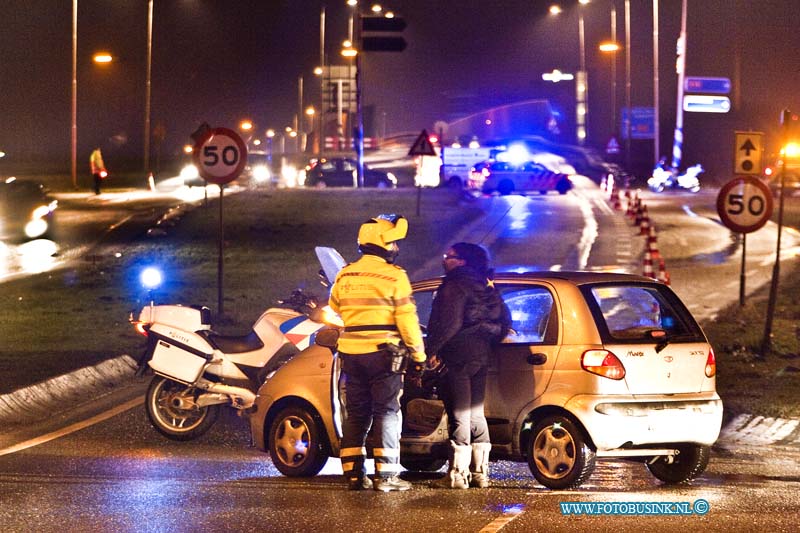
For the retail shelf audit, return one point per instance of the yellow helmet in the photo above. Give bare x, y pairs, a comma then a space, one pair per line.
382, 231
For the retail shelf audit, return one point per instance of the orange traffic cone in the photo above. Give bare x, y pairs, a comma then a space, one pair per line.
644, 226
652, 243
663, 275
647, 269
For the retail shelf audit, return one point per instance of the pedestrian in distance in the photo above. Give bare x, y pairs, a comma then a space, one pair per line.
468, 317
374, 299
98, 169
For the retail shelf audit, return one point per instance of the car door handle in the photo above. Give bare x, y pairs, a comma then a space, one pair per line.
536, 359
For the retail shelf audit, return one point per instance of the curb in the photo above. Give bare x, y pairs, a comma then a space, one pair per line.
755, 430
42, 400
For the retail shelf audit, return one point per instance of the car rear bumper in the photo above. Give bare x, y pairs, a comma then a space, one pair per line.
616, 422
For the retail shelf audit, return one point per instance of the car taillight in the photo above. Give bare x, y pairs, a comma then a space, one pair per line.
603, 363
711, 364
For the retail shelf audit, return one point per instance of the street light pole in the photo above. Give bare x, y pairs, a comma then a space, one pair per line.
74, 114
147, 86
581, 83
628, 84
656, 129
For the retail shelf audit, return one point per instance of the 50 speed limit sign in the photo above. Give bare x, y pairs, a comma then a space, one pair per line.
220, 155
744, 204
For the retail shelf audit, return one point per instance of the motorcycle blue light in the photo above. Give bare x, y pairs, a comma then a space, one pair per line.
151, 278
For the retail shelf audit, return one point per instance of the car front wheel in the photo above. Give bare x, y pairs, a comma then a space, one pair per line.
687, 465
558, 455
297, 442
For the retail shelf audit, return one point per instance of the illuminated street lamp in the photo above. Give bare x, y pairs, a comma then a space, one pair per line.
102, 58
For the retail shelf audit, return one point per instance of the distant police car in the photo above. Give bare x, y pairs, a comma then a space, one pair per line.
598, 365
506, 177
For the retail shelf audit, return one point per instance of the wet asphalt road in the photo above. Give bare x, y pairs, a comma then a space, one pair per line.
120, 475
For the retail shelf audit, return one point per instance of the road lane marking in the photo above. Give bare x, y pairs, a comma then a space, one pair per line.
509, 513
73, 427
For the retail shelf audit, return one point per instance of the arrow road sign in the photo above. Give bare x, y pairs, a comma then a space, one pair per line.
702, 103
707, 85
748, 152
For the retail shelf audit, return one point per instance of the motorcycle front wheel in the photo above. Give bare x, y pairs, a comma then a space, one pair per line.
172, 410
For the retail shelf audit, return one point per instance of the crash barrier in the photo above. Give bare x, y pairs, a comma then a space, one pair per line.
39, 401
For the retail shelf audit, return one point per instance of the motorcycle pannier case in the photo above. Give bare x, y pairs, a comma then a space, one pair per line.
180, 363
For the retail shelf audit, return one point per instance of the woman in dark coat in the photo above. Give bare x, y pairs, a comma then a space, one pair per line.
468, 316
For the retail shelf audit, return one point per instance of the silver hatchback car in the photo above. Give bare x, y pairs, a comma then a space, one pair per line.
597, 365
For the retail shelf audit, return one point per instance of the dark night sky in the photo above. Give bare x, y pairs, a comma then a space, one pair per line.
221, 60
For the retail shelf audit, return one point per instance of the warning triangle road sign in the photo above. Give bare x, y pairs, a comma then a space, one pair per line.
422, 146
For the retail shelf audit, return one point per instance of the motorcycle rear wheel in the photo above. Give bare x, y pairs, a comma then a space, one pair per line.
171, 409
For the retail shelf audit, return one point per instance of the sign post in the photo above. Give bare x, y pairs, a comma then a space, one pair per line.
422, 146
220, 155
744, 205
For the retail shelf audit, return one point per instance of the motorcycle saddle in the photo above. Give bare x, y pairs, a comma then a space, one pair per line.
234, 343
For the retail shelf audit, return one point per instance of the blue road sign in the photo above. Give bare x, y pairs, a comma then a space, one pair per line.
643, 122
707, 85
702, 103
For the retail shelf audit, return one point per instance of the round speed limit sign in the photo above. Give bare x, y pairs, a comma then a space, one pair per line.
220, 156
744, 204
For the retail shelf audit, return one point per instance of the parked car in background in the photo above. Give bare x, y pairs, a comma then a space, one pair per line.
597, 365
791, 181
341, 172
506, 177
26, 210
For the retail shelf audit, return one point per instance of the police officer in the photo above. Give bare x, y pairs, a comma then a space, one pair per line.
373, 297
98, 168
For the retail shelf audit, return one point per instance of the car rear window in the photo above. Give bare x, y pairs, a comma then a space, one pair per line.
631, 312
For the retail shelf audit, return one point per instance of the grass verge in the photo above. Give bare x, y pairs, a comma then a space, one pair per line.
56, 322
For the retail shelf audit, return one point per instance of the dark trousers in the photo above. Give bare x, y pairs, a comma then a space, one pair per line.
372, 396
97, 181
464, 393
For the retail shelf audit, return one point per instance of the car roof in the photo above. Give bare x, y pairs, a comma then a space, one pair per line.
574, 277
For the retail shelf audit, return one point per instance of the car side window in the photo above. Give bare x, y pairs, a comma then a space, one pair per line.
328, 166
348, 165
532, 313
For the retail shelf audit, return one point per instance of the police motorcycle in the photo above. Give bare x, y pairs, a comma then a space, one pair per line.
197, 370
664, 178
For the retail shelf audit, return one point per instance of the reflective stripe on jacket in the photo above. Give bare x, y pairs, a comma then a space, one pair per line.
371, 292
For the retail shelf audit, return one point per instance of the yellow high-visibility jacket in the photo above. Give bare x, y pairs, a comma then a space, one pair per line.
374, 293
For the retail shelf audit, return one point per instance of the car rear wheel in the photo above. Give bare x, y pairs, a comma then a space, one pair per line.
505, 187
297, 442
320, 184
687, 465
454, 183
558, 455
